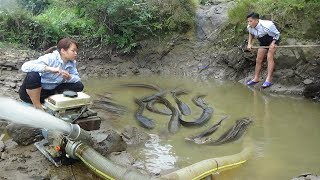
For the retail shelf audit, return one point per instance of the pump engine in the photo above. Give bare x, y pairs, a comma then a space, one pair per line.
72, 107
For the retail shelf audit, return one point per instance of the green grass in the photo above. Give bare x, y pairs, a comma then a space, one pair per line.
121, 23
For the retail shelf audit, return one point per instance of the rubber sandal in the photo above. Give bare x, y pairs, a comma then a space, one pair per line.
266, 84
251, 82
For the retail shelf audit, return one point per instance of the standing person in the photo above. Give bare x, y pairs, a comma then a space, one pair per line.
51, 73
268, 35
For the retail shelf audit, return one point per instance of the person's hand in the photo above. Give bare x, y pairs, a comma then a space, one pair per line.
249, 47
65, 75
52, 69
272, 46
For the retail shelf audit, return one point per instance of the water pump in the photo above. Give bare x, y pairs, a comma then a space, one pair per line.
74, 108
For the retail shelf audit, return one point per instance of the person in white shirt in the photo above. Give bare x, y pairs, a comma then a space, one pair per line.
51, 73
268, 35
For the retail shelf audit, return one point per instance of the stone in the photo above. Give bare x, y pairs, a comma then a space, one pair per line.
286, 77
108, 141
2, 146
307, 81
134, 136
12, 85
82, 68
287, 58
4, 155
312, 91
115, 58
306, 176
24, 135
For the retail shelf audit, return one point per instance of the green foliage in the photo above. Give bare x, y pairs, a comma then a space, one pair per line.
35, 6
18, 27
45, 29
119, 21
237, 16
294, 18
126, 21
114, 22
61, 21
204, 2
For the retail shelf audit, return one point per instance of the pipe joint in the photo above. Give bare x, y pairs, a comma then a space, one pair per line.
78, 134
72, 147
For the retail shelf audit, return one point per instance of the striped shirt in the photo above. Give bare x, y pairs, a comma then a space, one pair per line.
51, 80
264, 27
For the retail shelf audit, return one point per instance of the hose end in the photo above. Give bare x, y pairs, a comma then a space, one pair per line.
78, 134
72, 147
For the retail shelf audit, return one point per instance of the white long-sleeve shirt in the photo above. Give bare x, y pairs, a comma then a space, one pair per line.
51, 80
264, 27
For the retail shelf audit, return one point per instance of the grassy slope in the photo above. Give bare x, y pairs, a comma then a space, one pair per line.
295, 18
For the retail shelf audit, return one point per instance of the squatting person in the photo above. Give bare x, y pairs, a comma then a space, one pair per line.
51, 73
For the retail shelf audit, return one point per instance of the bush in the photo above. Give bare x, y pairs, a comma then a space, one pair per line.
19, 27
121, 23
59, 21
35, 6
127, 21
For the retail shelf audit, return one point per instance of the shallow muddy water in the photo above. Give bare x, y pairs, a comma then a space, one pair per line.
284, 133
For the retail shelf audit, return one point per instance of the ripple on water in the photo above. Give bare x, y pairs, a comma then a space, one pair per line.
158, 157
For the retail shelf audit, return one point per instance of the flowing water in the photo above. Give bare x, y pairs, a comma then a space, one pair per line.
30, 116
285, 131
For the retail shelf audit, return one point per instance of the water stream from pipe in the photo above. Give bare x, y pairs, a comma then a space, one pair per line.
19, 113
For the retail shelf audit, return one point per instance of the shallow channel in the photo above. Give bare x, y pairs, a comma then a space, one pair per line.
285, 131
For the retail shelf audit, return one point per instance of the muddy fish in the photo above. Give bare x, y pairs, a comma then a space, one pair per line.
204, 117
153, 96
183, 107
144, 121
207, 132
148, 86
234, 133
106, 103
199, 101
151, 107
174, 124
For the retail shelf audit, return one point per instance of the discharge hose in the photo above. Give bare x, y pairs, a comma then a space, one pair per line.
101, 165
109, 170
207, 167
23, 113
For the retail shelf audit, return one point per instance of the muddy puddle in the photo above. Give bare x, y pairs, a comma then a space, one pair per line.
284, 133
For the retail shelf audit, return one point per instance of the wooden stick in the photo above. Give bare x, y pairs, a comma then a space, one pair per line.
288, 46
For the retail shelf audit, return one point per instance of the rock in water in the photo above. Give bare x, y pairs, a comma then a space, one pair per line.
24, 135
108, 141
134, 136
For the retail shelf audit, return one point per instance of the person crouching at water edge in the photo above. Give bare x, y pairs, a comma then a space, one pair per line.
268, 35
51, 73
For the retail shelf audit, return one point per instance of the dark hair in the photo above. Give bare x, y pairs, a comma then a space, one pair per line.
50, 50
253, 15
64, 43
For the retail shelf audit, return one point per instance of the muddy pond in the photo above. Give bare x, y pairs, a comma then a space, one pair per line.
284, 132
